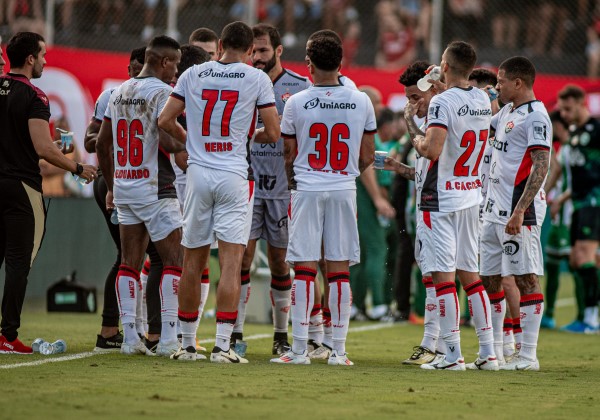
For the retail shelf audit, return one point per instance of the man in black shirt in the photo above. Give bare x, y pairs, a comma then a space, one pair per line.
25, 139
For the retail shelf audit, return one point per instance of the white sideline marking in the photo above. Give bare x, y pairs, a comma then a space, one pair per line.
206, 341
50, 360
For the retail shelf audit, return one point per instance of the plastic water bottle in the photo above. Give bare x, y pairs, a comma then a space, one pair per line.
384, 222
59, 346
80, 180
114, 217
35, 346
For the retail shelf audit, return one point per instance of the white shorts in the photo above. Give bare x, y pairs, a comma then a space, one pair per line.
448, 241
323, 216
506, 255
161, 217
218, 205
180, 189
270, 221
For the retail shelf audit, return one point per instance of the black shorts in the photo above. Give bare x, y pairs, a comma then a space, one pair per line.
585, 225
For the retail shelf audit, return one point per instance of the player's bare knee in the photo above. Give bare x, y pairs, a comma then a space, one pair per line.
528, 284
492, 284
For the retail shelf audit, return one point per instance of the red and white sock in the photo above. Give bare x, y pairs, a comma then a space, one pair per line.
498, 304
144, 281
517, 333
315, 329
204, 289
127, 286
169, 304
225, 322
281, 291
303, 292
479, 308
508, 338
327, 329
431, 319
189, 325
447, 302
244, 296
532, 309
340, 301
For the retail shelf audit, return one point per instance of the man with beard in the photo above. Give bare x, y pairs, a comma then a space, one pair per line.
272, 198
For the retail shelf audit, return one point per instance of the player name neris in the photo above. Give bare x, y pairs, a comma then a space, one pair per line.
132, 173
215, 146
463, 186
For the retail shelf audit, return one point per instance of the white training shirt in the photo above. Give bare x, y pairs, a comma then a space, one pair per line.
452, 182
328, 123
421, 166
518, 132
143, 173
220, 104
102, 104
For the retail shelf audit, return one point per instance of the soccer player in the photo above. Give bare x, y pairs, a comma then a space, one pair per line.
515, 204
206, 39
328, 33
418, 104
458, 125
329, 140
141, 182
220, 99
271, 196
584, 169
26, 138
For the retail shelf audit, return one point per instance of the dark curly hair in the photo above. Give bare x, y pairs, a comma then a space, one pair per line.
325, 53
191, 55
413, 73
483, 77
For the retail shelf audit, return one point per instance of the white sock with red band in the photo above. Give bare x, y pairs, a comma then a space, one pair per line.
244, 297
431, 319
340, 301
498, 304
447, 302
127, 287
169, 288
481, 313
532, 309
303, 290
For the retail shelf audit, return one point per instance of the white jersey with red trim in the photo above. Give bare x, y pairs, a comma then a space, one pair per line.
346, 81
484, 169
220, 104
452, 182
102, 104
421, 166
328, 123
518, 131
143, 173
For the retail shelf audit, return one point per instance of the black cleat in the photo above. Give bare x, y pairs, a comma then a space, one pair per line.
110, 344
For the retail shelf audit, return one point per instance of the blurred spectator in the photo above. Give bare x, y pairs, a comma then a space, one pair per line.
547, 17
464, 19
306, 11
114, 20
396, 45
342, 17
150, 13
505, 23
268, 11
26, 15
415, 15
57, 182
593, 46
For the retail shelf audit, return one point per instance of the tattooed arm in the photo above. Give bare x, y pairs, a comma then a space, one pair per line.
540, 161
290, 150
400, 168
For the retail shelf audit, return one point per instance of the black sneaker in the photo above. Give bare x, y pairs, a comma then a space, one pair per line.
151, 345
110, 344
281, 347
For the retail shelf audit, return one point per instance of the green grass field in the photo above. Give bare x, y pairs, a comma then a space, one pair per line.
378, 386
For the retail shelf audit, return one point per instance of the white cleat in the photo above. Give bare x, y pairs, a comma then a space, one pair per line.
167, 349
520, 363
229, 356
188, 354
339, 359
321, 352
137, 348
488, 363
291, 358
443, 364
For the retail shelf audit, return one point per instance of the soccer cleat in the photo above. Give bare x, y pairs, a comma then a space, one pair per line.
221, 356
291, 358
137, 348
443, 364
13, 347
318, 351
548, 322
376, 313
488, 363
577, 327
109, 345
520, 363
188, 354
420, 356
198, 346
280, 347
151, 345
167, 349
339, 359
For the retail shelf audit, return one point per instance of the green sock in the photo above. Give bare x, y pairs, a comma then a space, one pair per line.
552, 275
579, 293
420, 294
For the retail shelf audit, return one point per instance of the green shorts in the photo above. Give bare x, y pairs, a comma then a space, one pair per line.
558, 244
585, 225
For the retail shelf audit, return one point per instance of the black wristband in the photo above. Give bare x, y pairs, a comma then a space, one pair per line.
78, 169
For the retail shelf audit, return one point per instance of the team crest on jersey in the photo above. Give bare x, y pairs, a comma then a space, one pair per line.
313, 103
285, 97
509, 126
